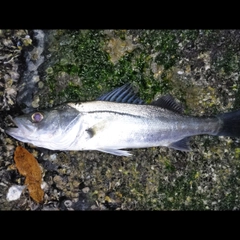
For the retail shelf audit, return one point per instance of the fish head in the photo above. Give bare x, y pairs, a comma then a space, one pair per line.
44, 129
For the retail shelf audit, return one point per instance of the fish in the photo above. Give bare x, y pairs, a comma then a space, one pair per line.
118, 121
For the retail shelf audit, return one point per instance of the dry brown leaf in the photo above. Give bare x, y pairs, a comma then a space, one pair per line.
35, 192
28, 166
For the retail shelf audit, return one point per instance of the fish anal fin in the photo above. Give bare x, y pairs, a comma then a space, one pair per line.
182, 145
168, 102
117, 152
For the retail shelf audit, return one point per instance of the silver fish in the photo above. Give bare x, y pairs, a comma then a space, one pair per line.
119, 120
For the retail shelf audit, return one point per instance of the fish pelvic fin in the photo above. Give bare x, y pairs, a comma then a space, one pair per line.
230, 124
115, 152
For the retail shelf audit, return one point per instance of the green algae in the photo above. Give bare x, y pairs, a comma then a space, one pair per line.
84, 54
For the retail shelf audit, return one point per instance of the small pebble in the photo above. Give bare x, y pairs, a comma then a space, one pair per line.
86, 190
14, 192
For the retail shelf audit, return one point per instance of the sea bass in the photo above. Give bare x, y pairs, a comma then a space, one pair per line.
117, 121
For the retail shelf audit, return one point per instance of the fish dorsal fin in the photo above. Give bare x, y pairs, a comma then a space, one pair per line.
169, 103
123, 94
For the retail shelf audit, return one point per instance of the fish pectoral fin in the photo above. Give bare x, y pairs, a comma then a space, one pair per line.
96, 128
182, 145
115, 152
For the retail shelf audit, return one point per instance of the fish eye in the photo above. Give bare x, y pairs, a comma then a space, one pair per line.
37, 117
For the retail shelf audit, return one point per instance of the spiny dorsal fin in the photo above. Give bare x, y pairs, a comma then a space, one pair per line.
123, 94
169, 103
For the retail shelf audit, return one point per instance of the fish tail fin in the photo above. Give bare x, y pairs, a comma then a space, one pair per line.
230, 124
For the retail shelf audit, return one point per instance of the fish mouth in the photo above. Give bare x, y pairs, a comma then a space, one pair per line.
20, 131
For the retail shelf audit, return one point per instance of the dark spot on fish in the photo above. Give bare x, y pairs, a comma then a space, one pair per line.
91, 132
37, 117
